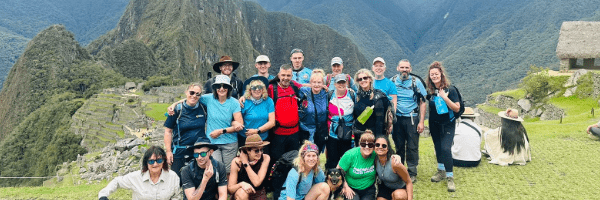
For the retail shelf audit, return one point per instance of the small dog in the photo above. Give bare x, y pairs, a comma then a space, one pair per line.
335, 180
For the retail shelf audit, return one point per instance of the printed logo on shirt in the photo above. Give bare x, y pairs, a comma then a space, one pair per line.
199, 116
363, 170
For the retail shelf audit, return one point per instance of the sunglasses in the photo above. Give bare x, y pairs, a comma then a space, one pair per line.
201, 154
192, 93
380, 145
257, 87
219, 86
159, 161
369, 145
257, 151
363, 78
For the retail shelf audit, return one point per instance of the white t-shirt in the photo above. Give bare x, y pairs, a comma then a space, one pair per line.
467, 142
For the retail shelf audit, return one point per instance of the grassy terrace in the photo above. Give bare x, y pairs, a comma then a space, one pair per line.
564, 166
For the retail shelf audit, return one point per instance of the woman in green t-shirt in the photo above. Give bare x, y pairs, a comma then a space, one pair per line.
358, 163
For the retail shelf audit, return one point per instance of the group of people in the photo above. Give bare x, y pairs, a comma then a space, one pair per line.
224, 137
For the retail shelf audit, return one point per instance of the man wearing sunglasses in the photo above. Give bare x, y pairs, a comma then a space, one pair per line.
226, 66
204, 177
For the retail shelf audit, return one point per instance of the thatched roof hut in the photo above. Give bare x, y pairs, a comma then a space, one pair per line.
579, 40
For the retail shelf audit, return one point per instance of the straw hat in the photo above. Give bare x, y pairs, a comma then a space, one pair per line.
223, 60
469, 112
511, 114
254, 141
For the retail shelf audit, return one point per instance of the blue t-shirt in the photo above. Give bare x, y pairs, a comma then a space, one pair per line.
303, 76
406, 102
296, 190
219, 117
257, 115
307, 116
270, 77
386, 86
332, 83
191, 125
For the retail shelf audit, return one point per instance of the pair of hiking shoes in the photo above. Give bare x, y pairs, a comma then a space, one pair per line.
441, 175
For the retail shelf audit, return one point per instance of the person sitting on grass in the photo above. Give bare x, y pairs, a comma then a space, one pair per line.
508, 144
594, 130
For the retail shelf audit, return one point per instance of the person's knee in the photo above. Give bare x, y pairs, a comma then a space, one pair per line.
323, 188
399, 194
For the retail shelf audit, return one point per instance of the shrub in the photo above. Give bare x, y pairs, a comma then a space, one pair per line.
538, 84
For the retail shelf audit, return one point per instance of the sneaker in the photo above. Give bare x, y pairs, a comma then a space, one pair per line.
451, 186
413, 179
439, 176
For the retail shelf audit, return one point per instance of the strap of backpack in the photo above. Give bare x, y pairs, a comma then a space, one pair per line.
328, 80
177, 122
465, 123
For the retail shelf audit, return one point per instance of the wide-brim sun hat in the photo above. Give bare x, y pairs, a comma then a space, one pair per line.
255, 141
510, 114
260, 78
198, 145
469, 112
223, 60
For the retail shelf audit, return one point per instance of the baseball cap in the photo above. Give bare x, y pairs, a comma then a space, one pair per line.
337, 60
262, 58
379, 59
340, 77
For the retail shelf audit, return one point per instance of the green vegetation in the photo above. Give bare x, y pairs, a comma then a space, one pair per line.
585, 86
157, 111
489, 109
515, 94
157, 81
538, 84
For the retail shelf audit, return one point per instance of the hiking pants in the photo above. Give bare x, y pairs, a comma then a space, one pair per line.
281, 144
335, 150
595, 131
406, 139
225, 154
443, 136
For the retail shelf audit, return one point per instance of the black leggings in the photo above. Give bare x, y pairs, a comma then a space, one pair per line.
366, 194
335, 150
443, 136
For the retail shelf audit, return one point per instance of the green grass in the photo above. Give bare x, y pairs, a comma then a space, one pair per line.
157, 111
564, 166
489, 109
516, 93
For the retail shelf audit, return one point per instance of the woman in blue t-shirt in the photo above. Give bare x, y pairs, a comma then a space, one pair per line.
258, 110
442, 123
312, 183
313, 119
184, 127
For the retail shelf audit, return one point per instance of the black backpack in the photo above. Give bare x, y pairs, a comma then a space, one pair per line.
462, 104
280, 170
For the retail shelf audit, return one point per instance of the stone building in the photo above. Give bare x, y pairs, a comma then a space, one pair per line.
579, 46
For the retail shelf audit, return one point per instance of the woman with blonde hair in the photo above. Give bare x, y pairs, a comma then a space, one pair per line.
359, 165
306, 180
313, 118
258, 110
443, 103
369, 98
184, 128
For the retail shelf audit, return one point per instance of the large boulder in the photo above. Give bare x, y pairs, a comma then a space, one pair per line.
572, 81
551, 113
525, 104
126, 144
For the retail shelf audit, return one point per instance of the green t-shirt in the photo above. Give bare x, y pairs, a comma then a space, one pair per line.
360, 172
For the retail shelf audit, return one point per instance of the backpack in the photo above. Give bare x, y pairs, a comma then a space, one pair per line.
280, 170
456, 115
177, 146
328, 80
417, 96
352, 95
274, 83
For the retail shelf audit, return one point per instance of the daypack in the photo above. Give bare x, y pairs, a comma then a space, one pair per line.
456, 115
417, 96
274, 83
280, 170
328, 80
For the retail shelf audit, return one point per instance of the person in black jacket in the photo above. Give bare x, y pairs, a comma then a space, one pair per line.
226, 66
368, 96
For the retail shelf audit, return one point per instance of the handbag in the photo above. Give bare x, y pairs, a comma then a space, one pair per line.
343, 131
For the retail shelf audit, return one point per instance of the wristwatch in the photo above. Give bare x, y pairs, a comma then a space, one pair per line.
245, 165
224, 130
258, 130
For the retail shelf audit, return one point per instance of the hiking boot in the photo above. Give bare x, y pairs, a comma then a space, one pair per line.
439, 176
413, 179
451, 186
